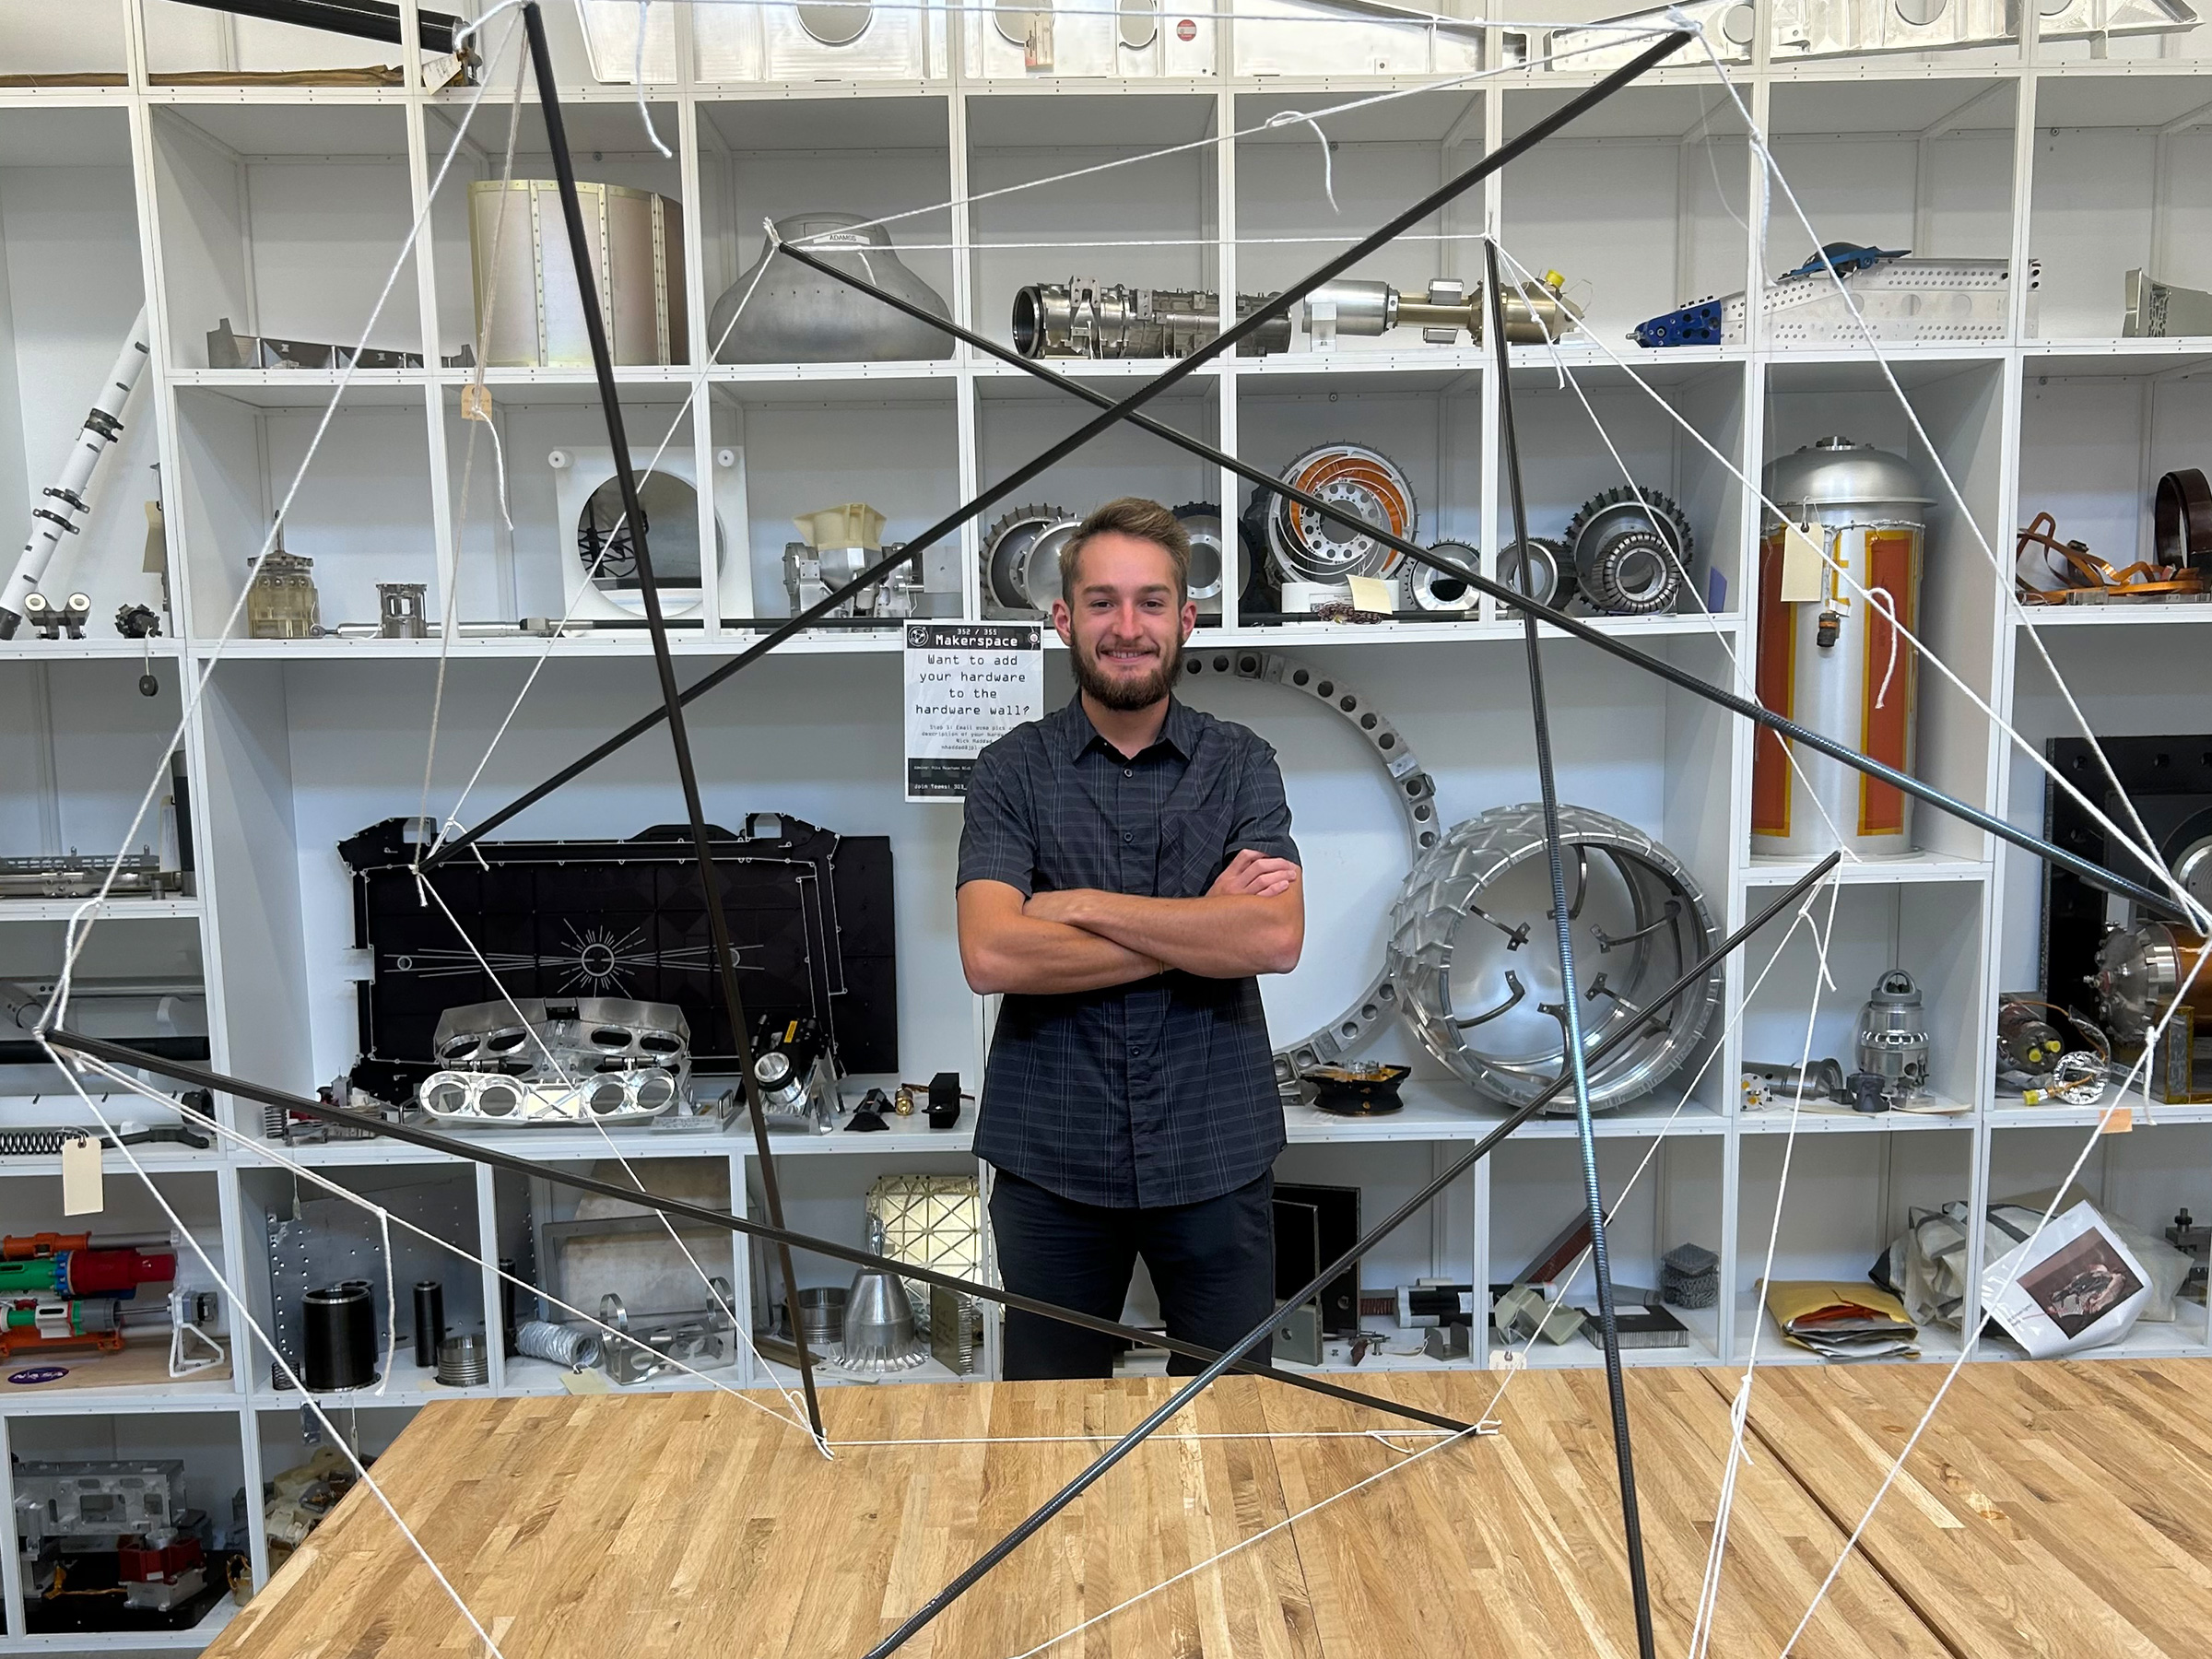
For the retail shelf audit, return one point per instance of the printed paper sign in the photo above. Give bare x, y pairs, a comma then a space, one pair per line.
967, 684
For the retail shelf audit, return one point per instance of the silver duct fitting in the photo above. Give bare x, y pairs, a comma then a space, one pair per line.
1534, 312
1086, 317
1893, 1038
1542, 557
1471, 946
1021, 560
1447, 595
798, 315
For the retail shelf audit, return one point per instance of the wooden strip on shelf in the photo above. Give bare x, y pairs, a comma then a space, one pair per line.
2060, 1508
660, 1525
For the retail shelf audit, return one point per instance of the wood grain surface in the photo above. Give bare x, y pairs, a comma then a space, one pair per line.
2057, 1508
687, 1523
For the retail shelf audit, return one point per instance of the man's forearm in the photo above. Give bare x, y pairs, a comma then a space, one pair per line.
1048, 959
1219, 936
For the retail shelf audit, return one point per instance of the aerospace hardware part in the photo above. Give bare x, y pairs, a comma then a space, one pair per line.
1350, 37
1817, 29
653, 1343
797, 315
2156, 310
1304, 546
527, 308
1893, 1038
99, 1500
337, 1326
880, 1336
553, 1042
1471, 946
2181, 519
1021, 560
601, 579
1542, 557
65, 620
227, 349
796, 1072
282, 603
1086, 317
2140, 970
1200, 520
1356, 1088
1831, 659
1534, 312
1447, 595
399, 608
932, 1221
810, 574
572, 1347
1900, 299
493, 1100
63, 504
810, 912
1410, 786
2035, 1060
1629, 549
2047, 571
464, 1360
138, 622
67, 875
1121, 39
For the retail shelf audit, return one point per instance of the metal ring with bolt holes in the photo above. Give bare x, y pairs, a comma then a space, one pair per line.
1411, 787
1472, 946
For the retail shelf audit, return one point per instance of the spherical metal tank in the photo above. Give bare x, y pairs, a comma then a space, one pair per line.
797, 315
1839, 585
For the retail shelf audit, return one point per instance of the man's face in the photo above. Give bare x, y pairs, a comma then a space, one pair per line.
1121, 623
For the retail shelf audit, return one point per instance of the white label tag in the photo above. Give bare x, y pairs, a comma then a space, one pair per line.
81, 1190
1800, 567
586, 1382
1372, 594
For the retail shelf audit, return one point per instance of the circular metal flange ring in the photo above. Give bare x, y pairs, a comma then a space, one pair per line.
1471, 948
1410, 786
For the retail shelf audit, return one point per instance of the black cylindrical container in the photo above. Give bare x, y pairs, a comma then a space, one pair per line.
337, 1326
429, 1320
507, 1307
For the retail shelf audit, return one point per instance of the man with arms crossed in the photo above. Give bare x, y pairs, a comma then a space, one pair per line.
1127, 868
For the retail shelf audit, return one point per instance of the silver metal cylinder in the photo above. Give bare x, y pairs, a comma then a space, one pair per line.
1362, 308
1831, 660
1893, 1041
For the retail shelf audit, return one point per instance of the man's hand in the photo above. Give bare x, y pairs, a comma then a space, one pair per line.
1255, 874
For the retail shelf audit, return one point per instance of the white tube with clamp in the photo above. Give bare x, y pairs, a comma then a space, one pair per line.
64, 502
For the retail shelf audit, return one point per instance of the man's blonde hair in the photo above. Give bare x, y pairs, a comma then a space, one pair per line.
1133, 516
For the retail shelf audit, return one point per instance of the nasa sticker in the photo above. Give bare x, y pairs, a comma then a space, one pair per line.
1186, 31
37, 1374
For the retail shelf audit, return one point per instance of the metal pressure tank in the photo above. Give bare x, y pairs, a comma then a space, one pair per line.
1828, 657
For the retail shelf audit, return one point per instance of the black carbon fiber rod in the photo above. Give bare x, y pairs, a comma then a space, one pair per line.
663, 661
1569, 1009
1181, 369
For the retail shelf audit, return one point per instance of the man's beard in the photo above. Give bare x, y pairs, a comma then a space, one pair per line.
1126, 695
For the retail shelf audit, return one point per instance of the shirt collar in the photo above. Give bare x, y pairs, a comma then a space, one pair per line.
1179, 731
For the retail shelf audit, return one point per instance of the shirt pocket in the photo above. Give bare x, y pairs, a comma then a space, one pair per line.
1193, 846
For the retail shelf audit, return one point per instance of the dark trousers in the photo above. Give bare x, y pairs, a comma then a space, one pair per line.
1213, 1263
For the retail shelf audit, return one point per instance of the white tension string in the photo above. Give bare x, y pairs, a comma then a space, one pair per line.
86, 916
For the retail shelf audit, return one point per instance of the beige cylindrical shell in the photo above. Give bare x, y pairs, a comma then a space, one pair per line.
528, 311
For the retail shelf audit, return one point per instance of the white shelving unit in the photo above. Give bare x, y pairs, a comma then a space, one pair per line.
280, 207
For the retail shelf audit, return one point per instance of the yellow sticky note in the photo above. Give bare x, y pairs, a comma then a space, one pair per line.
1374, 595
1800, 567
81, 1189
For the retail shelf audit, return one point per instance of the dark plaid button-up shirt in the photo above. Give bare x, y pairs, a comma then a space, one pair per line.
1160, 1091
